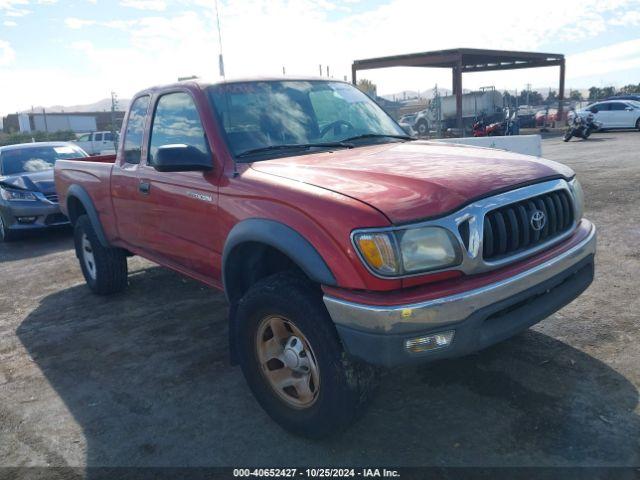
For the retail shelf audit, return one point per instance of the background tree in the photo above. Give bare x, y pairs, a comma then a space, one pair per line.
630, 89
368, 87
575, 95
552, 97
535, 98
595, 93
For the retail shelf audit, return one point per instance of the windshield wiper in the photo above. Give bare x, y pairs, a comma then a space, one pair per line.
377, 135
293, 146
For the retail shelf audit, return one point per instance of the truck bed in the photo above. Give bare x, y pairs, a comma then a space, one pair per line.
93, 174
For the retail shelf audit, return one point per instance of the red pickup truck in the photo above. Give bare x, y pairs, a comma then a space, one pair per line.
340, 243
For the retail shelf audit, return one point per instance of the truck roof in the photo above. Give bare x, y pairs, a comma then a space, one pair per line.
204, 83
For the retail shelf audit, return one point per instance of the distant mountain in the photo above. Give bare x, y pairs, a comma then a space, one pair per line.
103, 105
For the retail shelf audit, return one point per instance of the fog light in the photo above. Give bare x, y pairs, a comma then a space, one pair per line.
26, 219
430, 342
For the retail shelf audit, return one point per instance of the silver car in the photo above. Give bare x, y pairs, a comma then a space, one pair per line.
28, 198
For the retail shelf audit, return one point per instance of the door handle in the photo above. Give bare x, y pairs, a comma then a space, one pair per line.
144, 187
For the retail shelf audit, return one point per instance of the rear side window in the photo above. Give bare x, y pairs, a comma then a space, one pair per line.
98, 137
135, 130
618, 106
108, 137
176, 121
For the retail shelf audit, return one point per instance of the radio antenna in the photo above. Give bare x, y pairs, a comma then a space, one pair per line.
220, 58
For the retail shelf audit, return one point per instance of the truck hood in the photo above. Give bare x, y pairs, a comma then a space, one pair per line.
415, 180
41, 181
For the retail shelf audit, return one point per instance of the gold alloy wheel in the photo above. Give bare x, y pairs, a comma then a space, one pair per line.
287, 361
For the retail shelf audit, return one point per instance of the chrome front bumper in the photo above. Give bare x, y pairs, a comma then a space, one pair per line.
427, 315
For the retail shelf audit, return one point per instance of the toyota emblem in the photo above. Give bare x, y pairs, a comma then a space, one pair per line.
538, 220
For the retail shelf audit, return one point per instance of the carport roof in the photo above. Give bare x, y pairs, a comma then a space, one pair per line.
471, 59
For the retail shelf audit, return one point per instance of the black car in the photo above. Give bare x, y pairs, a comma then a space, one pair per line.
28, 198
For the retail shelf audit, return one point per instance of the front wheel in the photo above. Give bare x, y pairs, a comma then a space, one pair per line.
104, 268
422, 127
293, 360
6, 235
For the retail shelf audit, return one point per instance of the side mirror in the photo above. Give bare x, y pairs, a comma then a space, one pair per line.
593, 110
629, 109
181, 158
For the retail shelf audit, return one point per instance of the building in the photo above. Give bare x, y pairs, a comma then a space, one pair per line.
52, 122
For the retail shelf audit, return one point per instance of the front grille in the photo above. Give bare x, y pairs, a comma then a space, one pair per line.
52, 197
508, 230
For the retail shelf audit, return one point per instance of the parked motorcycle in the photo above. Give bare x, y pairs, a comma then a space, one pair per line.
580, 127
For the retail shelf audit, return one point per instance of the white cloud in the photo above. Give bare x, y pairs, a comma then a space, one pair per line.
612, 58
77, 23
156, 5
262, 36
9, 23
7, 54
629, 18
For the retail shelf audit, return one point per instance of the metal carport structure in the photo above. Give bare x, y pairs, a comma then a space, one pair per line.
461, 60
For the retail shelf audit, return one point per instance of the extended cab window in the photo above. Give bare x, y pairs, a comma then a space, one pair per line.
135, 130
176, 121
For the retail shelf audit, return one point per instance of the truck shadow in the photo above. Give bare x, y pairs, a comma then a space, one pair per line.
145, 374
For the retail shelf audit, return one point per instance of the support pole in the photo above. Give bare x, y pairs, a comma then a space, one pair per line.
353, 75
457, 89
561, 91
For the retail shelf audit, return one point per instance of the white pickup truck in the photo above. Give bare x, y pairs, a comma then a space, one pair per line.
96, 143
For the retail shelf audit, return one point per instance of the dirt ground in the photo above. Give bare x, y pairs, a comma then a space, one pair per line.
142, 378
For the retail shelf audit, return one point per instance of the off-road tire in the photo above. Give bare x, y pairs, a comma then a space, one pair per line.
110, 263
345, 385
422, 128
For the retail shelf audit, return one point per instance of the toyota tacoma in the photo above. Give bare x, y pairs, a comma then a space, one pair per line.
341, 244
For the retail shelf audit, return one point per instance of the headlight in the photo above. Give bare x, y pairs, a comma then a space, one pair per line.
23, 195
427, 248
408, 251
578, 198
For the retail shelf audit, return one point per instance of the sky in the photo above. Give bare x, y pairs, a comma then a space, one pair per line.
72, 52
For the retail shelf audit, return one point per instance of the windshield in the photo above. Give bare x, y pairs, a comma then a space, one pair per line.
34, 159
263, 115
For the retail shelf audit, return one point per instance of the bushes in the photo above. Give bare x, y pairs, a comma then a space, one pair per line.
60, 136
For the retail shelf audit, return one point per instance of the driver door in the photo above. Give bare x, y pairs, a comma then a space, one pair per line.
178, 220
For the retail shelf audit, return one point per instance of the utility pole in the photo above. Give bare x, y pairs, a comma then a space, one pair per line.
327, 71
114, 107
284, 72
320, 68
44, 114
528, 90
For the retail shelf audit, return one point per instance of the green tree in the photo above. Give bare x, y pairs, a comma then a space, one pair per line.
595, 93
535, 98
368, 87
552, 97
575, 95
630, 89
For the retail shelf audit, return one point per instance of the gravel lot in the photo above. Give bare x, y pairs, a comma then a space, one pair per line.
142, 378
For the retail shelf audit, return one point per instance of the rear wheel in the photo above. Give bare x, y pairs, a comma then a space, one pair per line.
293, 360
638, 124
567, 136
104, 268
